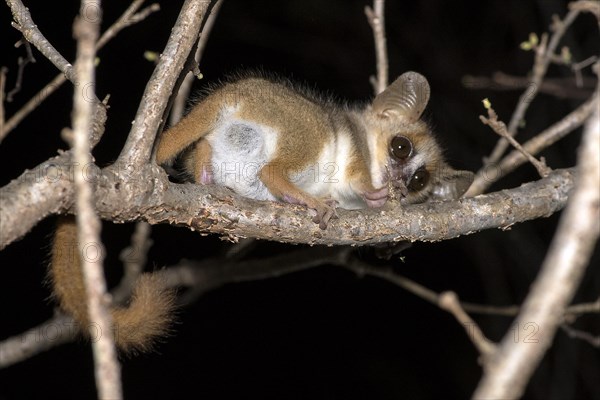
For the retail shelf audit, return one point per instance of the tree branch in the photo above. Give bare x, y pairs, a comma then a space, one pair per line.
48, 187
22, 62
134, 259
106, 366
376, 18
186, 86
561, 273
487, 176
218, 210
581, 335
149, 196
562, 88
449, 301
138, 147
3, 71
59, 330
500, 128
24, 24
543, 57
128, 18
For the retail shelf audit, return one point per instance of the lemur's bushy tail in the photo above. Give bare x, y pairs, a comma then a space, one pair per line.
137, 326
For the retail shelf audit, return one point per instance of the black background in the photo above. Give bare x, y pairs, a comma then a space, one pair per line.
323, 333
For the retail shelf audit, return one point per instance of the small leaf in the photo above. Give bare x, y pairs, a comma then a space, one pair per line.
526, 46
151, 56
565, 54
533, 39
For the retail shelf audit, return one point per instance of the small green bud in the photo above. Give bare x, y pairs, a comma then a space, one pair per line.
533, 39
526, 46
565, 54
151, 56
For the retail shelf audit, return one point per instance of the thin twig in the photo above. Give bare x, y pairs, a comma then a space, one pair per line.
577, 67
582, 335
376, 18
591, 6
3, 71
544, 53
138, 148
563, 88
130, 16
32, 104
207, 275
500, 128
134, 259
449, 301
186, 86
24, 24
562, 270
486, 177
107, 369
58, 330
126, 19
240, 249
584, 308
423, 292
22, 64
434, 297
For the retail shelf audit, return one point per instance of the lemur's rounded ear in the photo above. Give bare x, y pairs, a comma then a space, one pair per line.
406, 97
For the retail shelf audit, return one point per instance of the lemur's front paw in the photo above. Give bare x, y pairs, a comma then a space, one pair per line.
325, 211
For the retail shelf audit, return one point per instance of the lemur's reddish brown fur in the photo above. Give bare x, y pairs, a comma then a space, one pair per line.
137, 326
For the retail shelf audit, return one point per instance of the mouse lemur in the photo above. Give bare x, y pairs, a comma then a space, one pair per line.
269, 140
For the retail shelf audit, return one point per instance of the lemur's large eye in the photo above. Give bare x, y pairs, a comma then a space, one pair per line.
401, 147
419, 180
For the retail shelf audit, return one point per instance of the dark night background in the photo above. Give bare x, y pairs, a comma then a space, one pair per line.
323, 333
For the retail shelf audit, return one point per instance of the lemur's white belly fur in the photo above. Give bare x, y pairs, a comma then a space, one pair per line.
240, 148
